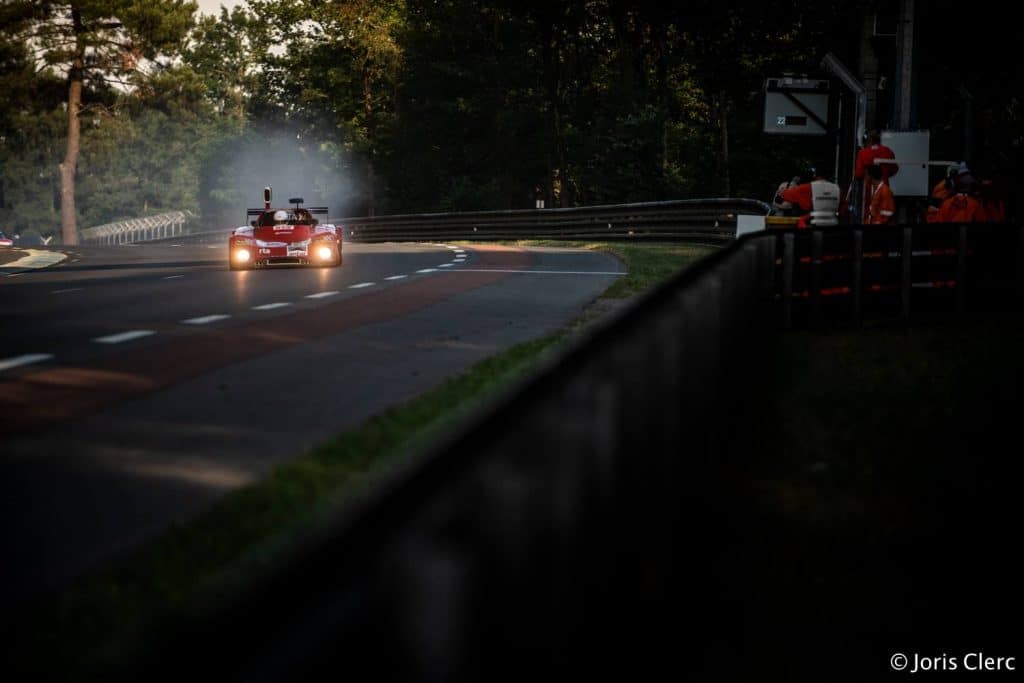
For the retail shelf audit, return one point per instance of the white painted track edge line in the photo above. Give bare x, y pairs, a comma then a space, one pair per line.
536, 272
123, 336
203, 320
25, 359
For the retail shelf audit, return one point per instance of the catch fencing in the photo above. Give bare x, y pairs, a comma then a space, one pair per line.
147, 229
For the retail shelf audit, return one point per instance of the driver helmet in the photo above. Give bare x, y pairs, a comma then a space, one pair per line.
280, 216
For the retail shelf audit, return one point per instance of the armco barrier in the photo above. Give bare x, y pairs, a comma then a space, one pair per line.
558, 534
708, 220
705, 221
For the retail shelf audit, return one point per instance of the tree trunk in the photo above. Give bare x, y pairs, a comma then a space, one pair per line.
370, 133
723, 122
662, 98
69, 221
552, 123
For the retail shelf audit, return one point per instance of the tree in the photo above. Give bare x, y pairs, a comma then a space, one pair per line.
338, 69
92, 42
225, 53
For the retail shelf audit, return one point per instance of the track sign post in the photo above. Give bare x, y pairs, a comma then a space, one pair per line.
796, 106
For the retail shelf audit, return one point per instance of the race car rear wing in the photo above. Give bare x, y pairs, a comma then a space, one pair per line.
315, 210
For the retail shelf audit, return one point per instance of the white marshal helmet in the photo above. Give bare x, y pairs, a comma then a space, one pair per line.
280, 215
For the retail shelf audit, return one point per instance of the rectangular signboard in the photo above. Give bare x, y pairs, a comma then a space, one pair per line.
796, 106
912, 151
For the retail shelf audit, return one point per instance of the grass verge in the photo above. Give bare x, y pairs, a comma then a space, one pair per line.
647, 264
92, 625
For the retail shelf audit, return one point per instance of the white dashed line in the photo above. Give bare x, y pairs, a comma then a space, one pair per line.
320, 295
427, 270
172, 277
69, 289
206, 319
459, 251
460, 258
270, 307
361, 285
124, 336
396, 277
27, 359
537, 272
446, 265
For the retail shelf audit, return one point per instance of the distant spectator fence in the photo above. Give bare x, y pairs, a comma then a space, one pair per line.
149, 228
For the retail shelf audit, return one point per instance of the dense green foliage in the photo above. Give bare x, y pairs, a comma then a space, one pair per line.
414, 105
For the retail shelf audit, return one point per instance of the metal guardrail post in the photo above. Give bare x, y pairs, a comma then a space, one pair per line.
711, 288
765, 283
857, 290
817, 240
1020, 263
766, 267
788, 263
961, 270
905, 271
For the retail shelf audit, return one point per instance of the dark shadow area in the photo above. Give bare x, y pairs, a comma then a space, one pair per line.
870, 502
684, 494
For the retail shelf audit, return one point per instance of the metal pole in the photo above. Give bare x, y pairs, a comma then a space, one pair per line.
858, 276
788, 252
817, 242
905, 280
961, 271
905, 115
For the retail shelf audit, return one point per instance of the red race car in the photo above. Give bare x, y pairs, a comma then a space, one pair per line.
285, 236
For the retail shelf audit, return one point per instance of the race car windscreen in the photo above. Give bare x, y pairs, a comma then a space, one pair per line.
295, 217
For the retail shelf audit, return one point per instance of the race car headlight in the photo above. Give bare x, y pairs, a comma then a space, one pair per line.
324, 253
242, 255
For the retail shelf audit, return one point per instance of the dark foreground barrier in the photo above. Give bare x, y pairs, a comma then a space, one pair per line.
565, 532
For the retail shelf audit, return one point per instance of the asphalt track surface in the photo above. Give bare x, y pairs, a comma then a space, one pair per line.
139, 384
